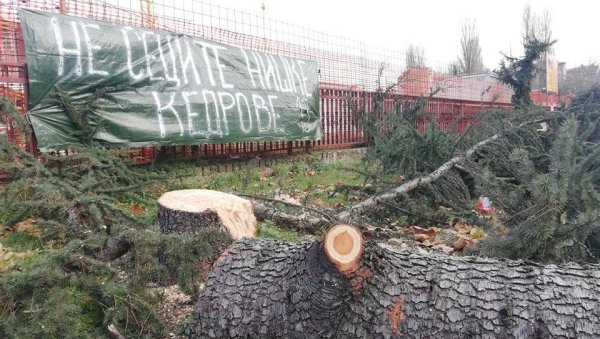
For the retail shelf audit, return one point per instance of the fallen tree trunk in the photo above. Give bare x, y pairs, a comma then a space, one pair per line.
331, 289
185, 211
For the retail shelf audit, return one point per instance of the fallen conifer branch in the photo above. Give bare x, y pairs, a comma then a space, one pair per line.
362, 207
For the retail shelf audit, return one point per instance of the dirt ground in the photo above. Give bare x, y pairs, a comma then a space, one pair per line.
174, 309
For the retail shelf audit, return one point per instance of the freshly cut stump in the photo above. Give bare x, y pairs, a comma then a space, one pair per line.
186, 211
262, 288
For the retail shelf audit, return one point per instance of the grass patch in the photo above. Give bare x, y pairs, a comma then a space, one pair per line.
22, 241
267, 229
306, 177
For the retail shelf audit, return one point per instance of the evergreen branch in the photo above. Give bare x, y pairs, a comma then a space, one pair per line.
462, 137
408, 186
9, 113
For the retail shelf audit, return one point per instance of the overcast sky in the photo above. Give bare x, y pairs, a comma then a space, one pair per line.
436, 24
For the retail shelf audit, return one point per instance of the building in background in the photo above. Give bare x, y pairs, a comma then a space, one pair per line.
548, 82
580, 79
547, 77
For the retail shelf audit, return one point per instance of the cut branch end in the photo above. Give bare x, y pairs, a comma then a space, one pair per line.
344, 246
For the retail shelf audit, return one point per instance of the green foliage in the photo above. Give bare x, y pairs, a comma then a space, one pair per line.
82, 114
76, 192
91, 296
267, 229
588, 101
22, 241
396, 143
518, 73
170, 259
542, 174
402, 148
73, 296
70, 293
94, 260
75, 291
10, 114
541, 170
587, 107
186, 328
399, 151
551, 198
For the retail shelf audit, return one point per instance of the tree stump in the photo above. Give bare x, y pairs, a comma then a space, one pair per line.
262, 288
186, 211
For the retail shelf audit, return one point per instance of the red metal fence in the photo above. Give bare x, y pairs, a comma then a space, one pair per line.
349, 70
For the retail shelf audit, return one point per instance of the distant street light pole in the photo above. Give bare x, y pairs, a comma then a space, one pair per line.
263, 7
148, 13
484, 92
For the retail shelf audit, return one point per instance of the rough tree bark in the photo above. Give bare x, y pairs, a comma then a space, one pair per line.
298, 222
185, 211
263, 288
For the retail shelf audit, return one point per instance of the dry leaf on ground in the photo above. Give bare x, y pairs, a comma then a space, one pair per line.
462, 227
421, 234
462, 242
137, 209
477, 233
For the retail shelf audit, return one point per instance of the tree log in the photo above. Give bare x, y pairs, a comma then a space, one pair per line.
262, 288
185, 211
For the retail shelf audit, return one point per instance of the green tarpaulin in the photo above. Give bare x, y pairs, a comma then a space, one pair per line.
159, 88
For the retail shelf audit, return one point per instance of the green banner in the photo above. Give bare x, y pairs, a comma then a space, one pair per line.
115, 85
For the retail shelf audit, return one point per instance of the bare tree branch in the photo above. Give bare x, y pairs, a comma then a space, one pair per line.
415, 57
470, 60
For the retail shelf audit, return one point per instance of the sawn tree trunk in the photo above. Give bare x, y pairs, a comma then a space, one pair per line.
185, 211
262, 288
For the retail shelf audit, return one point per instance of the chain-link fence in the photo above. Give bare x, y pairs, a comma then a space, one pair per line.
349, 70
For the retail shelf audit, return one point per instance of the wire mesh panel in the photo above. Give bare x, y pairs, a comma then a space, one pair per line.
13, 70
350, 71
